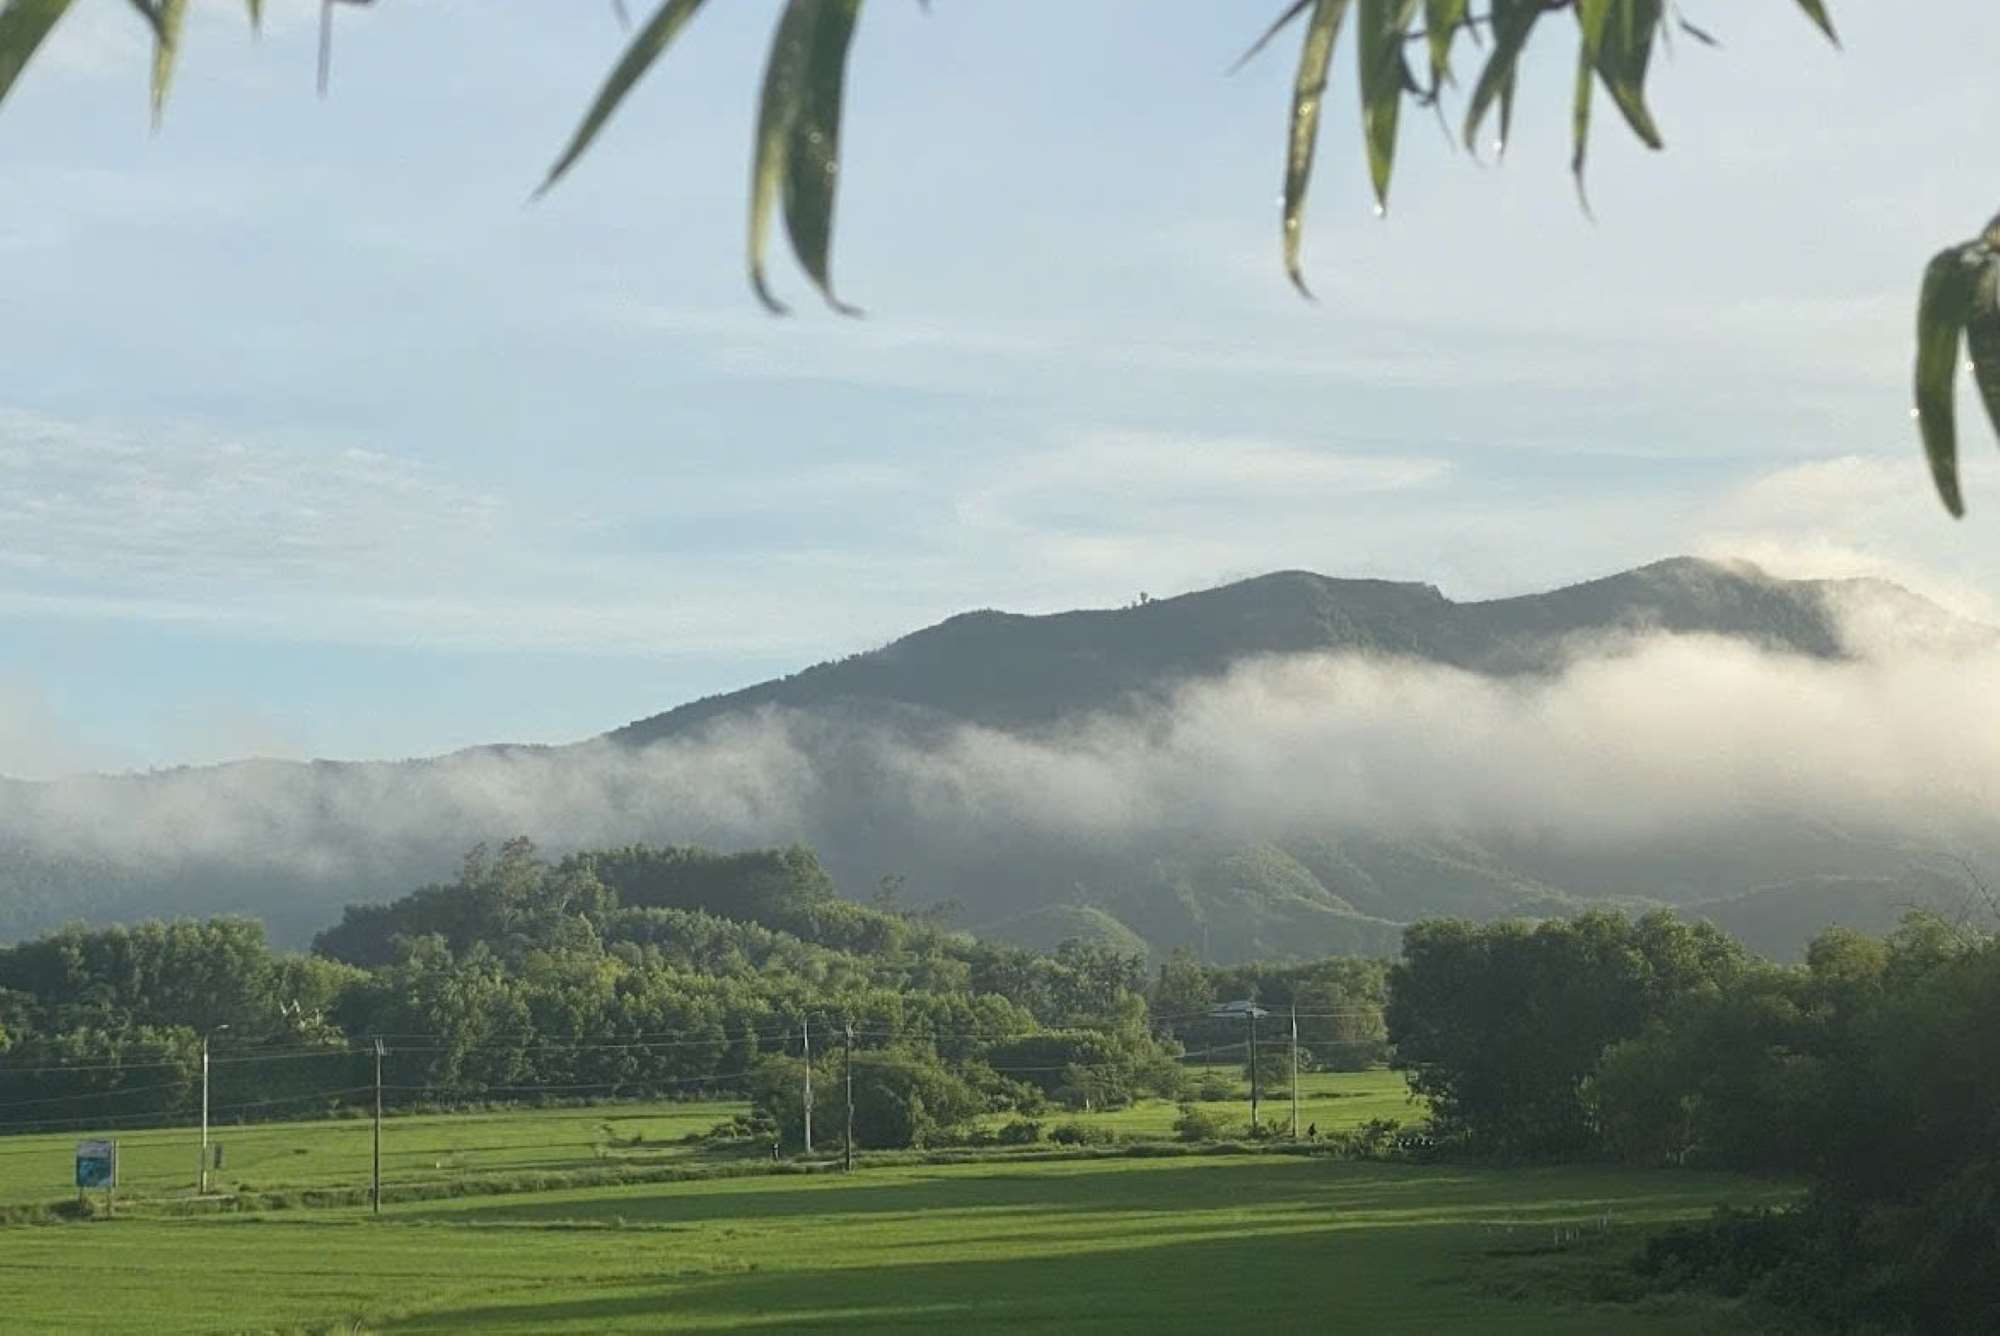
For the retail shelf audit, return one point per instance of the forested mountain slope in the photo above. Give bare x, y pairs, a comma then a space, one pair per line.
1285, 766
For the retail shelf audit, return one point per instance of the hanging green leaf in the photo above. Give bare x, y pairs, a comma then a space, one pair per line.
1513, 20
812, 151
644, 49
1816, 11
1700, 34
1308, 91
1942, 311
256, 15
1590, 17
1586, 89
1982, 337
1624, 50
1278, 25
784, 87
23, 25
1442, 20
166, 49
1378, 44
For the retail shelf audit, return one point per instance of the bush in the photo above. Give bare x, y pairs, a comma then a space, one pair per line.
1372, 1139
1020, 1132
1074, 1133
1197, 1124
1215, 1088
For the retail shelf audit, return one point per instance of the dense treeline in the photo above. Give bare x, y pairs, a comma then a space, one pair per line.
1872, 1070
627, 972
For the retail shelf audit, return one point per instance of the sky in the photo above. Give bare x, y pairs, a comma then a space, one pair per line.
317, 438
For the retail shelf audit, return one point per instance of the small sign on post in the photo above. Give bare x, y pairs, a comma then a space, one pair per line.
97, 1164
97, 1167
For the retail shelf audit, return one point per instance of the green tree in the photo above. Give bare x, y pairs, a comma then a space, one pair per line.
902, 1098
1502, 1025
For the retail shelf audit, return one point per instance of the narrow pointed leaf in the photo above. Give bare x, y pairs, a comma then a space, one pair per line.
166, 49
1699, 33
1308, 93
1513, 20
1982, 338
644, 49
1942, 311
1442, 20
784, 87
1378, 45
23, 25
1590, 17
256, 15
812, 154
1278, 25
1586, 89
1816, 11
1624, 52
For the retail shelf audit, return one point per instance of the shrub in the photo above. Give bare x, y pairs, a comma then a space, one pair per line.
1020, 1132
1373, 1136
1215, 1088
1198, 1124
1074, 1133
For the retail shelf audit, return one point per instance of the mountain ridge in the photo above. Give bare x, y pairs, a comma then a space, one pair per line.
864, 756
1202, 632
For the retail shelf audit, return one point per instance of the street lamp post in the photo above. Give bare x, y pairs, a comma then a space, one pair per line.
201, 1169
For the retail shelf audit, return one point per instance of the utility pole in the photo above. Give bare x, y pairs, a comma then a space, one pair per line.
1295, 1071
1253, 1072
375, 1190
806, 1031
1249, 1011
847, 1144
201, 1164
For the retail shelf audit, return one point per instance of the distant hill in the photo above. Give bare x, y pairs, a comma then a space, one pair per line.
996, 760
1010, 671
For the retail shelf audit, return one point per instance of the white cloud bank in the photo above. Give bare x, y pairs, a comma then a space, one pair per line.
1637, 739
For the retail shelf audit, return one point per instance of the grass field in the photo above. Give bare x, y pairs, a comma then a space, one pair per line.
1274, 1243
449, 1148
1236, 1243
415, 1149
1331, 1101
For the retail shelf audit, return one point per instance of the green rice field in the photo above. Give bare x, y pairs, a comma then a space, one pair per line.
444, 1149
1141, 1242
1197, 1243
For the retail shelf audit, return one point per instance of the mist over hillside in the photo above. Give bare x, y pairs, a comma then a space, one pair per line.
1285, 766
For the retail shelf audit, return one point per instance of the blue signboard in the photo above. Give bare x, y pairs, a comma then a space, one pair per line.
96, 1164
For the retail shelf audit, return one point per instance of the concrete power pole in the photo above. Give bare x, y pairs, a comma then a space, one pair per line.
375, 1191
806, 1031
201, 1166
1295, 1071
847, 1063
1253, 1073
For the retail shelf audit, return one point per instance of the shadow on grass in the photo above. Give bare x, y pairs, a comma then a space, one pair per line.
1279, 1188
1417, 1279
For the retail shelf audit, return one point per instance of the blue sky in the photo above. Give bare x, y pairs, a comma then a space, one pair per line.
316, 439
